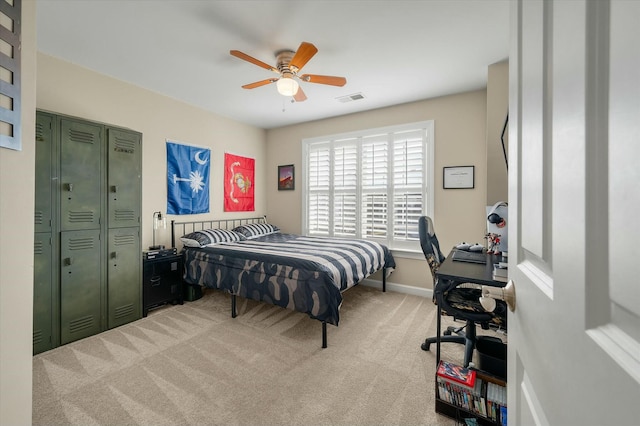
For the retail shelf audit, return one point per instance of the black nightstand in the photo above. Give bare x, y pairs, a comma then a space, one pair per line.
161, 281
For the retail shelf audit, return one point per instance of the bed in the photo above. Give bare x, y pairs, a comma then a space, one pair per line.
253, 259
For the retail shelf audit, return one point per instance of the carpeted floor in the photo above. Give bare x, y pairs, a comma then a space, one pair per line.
194, 364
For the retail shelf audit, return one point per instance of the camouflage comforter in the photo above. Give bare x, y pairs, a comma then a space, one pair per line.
306, 274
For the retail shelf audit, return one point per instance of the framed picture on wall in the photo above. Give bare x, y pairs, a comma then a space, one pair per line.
458, 177
286, 178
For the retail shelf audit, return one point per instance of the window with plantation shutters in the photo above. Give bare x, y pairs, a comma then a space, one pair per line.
345, 185
375, 179
372, 184
10, 74
318, 183
408, 182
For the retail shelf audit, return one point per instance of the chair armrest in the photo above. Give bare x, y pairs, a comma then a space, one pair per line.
449, 292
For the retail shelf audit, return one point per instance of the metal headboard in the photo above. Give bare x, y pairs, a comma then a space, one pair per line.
183, 228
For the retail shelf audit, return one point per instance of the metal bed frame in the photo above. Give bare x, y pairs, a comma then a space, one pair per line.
198, 225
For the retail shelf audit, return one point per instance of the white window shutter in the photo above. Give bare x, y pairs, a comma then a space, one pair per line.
372, 184
409, 169
318, 209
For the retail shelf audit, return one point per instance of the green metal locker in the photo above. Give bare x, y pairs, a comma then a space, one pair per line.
124, 177
45, 172
80, 284
43, 297
124, 276
87, 254
45, 271
80, 174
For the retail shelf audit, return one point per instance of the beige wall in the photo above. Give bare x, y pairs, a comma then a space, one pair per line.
17, 179
460, 137
65, 88
497, 109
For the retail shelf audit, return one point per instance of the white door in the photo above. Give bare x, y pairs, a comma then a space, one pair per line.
574, 203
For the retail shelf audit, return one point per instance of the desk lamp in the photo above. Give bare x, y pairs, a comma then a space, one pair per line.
159, 221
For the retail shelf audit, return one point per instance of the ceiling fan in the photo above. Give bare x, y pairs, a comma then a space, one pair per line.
289, 64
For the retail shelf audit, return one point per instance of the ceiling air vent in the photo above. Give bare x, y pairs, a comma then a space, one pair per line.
349, 98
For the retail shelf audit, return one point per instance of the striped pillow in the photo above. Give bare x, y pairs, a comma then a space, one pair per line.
255, 230
210, 236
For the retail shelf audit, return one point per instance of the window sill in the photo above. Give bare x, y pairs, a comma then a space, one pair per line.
408, 254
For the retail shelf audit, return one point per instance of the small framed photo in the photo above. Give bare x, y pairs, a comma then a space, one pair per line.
286, 178
458, 177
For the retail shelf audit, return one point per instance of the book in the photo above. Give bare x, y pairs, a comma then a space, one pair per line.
456, 374
496, 403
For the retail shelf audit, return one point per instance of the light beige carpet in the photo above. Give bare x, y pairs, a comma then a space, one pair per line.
194, 364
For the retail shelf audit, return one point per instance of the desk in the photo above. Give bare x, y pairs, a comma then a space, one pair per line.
465, 272
475, 273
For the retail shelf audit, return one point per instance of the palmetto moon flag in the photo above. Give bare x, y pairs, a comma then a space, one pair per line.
187, 179
238, 183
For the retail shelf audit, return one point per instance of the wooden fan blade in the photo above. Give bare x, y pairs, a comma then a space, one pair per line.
300, 96
302, 56
244, 56
324, 79
259, 83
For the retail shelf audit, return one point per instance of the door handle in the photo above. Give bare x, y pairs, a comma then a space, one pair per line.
490, 294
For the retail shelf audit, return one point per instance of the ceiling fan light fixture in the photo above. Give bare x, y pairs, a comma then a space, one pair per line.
287, 86
289, 64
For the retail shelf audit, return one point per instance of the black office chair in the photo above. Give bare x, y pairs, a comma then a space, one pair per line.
456, 299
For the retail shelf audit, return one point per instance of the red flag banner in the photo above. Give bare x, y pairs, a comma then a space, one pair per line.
239, 173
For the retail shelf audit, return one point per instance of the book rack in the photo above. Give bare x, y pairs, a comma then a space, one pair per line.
485, 407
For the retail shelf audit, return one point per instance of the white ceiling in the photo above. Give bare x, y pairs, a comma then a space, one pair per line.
391, 52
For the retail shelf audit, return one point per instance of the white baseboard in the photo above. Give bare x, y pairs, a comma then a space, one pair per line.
400, 288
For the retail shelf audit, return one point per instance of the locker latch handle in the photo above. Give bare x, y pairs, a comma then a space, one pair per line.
155, 281
114, 188
69, 187
68, 261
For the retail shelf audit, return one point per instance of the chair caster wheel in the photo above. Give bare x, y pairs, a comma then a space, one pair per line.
447, 332
425, 346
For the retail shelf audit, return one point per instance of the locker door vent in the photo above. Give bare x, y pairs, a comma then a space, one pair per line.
37, 337
39, 132
38, 247
80, 136
126, 215
125, 240
123, 311
126, 146
81, 217
81, 324
81, 243
39, 217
